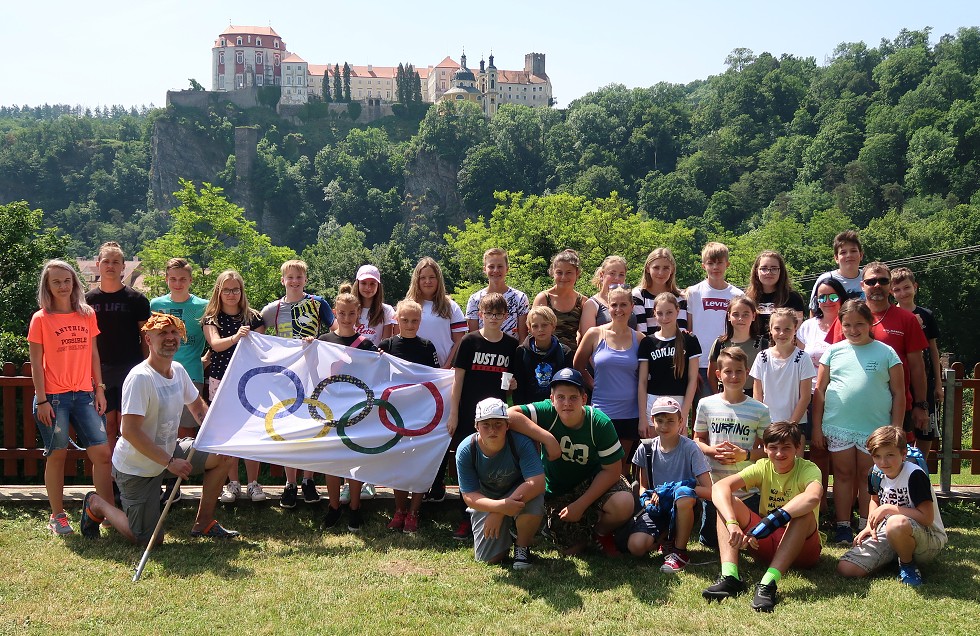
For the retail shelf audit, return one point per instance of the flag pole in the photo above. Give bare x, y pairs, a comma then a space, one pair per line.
159, 528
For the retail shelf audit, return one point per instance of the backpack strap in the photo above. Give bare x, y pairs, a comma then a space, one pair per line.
648, 447
474, 449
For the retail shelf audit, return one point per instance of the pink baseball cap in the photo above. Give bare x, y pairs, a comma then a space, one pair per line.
368, 271
665, 405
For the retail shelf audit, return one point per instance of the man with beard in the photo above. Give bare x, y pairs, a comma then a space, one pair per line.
153, 396
900, 330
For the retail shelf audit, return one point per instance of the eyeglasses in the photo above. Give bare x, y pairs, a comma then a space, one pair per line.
828, 298
231, 292
494, 316
875, 282
770, 270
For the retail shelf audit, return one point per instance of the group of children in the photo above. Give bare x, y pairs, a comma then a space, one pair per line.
769, 383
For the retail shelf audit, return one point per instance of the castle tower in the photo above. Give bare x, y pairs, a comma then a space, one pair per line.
534, 64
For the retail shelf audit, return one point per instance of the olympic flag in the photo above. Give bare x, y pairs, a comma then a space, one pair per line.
331, 409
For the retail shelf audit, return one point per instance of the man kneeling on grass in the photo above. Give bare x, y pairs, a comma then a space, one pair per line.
585, 496
787, 536
153, 396
502, 481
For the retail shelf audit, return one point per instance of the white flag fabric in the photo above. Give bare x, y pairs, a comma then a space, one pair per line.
331, 409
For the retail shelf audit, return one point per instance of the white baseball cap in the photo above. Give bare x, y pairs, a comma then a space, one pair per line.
665, 405
491, 409
368, 271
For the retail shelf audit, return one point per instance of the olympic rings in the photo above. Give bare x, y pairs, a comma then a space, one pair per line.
401, 430
354, 446
271, 415
368, 401
251, 373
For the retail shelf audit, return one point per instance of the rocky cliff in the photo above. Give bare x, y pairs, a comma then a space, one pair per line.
178, 152
431, 192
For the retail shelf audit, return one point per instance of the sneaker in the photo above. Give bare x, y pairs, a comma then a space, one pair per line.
607, 543
464, 531
765, 597
522, 557
344, 494
331, 518
844, 535
368, 491
675, 562
909, 575
435, 494
397, 522
169, 486
89, 523
411, 524
310, 495
215, 531
59, 525
255, 492
288, 499
724, 587
354, 520
231, 492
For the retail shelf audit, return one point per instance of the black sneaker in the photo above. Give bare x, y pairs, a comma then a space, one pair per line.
89, 524
331, 518
169, 485
354, 520
288, 499
310, 495
765, 597
724, 587
522, 557
435, 494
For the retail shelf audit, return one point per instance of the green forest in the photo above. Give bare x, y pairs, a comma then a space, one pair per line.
775, 153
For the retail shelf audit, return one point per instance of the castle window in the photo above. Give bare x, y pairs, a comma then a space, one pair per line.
223, 42
289, 80
258, 58
258, 41
238, 41
221, 57
221, 82
275, 44
239, 57
259, 80
276, 59
239, 80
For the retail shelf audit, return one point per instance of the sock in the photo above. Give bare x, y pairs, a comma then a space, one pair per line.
772, 575
862, 522
729, 569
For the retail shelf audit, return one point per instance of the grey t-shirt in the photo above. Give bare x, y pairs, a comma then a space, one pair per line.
496, 476
685, 461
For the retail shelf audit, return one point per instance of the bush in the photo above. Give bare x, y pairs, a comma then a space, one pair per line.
13, 348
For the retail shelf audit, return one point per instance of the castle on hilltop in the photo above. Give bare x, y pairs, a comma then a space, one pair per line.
250, 56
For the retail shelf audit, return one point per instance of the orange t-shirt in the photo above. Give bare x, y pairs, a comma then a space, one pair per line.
67, 340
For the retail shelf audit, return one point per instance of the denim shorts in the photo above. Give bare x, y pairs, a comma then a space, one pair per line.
76, 408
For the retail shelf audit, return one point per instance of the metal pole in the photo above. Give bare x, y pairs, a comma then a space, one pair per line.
949, 416
163, 517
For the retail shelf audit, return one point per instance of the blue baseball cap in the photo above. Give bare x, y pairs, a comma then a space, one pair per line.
567, 376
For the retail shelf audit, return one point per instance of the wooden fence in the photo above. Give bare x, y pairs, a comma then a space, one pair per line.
957, 422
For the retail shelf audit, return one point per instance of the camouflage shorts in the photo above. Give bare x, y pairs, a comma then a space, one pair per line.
566, 535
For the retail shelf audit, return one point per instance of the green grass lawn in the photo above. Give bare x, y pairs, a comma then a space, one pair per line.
286, 576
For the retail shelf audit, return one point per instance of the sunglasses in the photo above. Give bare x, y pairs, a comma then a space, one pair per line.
874, 282
828, 298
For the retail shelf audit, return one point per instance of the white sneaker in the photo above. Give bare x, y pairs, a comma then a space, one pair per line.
255, 492
231, 492
368, 491
345, 494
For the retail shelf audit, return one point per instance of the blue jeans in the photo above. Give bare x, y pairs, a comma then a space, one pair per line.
76, 408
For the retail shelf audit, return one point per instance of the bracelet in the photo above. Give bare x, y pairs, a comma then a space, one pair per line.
731, 522
42, 402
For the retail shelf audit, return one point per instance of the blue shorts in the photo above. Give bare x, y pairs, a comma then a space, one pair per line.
76, 408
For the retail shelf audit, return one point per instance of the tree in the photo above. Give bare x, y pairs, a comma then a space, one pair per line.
214, 235
338, 86
400, 93
195, 85
26, 247
334, 258
346, 82
325, 87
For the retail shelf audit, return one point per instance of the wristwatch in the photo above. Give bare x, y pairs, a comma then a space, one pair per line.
921, 405
101, 385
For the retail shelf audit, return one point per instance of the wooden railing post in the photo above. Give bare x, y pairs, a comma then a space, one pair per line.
949, 422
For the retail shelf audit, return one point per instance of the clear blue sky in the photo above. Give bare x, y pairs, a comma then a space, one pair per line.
132, 52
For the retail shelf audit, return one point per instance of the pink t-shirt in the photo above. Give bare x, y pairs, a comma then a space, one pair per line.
67, 340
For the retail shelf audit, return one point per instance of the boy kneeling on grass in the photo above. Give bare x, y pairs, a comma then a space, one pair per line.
903, 518
501, 479
787, 536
